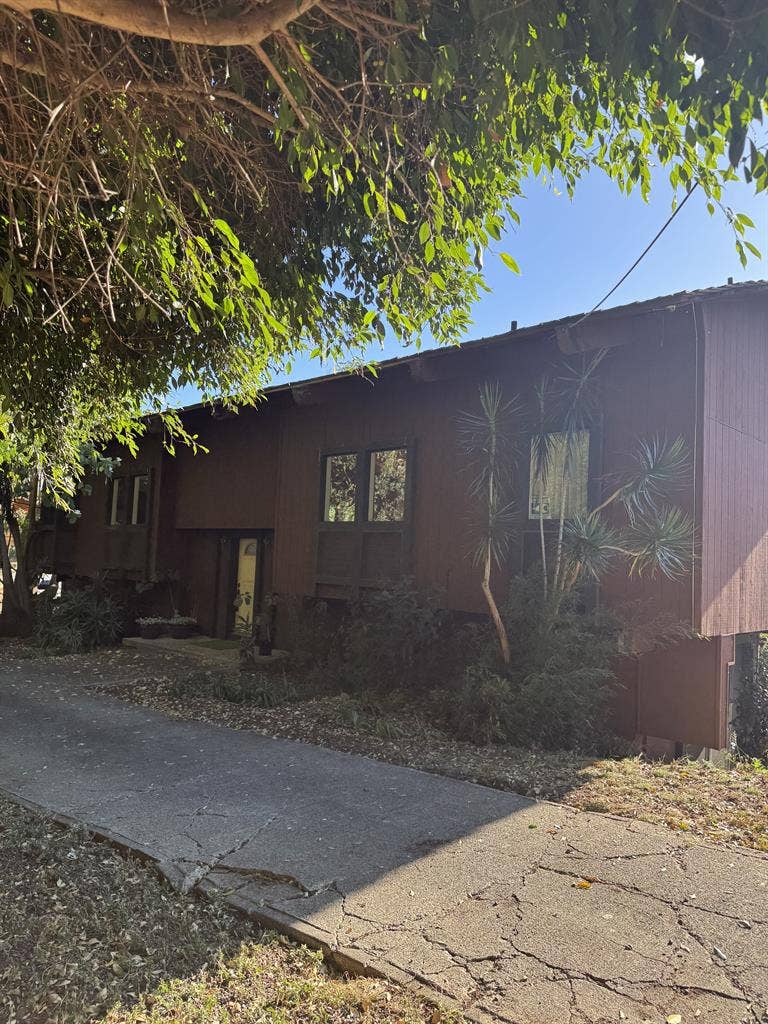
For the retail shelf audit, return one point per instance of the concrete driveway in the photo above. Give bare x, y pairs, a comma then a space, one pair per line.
519, 911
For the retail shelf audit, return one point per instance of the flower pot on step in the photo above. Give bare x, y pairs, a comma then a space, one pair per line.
151, 630
181, 631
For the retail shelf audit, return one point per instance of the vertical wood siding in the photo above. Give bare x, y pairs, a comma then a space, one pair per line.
648, 389
734, 529
232, 485
124, 550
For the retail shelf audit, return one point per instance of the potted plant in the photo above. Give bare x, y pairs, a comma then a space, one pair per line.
151, 628
182, 626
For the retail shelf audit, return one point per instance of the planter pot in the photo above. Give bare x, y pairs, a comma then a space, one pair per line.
181, 632
151, 631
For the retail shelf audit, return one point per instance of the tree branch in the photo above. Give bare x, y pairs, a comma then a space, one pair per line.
159, 21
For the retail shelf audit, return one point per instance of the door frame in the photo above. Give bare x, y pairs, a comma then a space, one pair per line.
229, 541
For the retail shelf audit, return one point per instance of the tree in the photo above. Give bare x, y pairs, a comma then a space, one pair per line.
490, 440
26, 484
192, 192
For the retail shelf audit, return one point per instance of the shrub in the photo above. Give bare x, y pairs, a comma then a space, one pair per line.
396, 637
480, 710
750, 722
310, 631
79, 620
555, 693
392, 638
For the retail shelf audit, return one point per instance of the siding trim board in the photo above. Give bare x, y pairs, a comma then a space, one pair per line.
694, 364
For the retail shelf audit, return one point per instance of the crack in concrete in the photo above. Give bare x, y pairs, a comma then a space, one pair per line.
634, 890
204, 868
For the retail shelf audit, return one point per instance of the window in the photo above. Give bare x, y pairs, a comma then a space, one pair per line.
386, 486
140, 503
567, 472
115, 507
340, 496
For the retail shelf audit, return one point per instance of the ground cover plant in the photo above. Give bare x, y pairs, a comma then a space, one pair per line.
87, 935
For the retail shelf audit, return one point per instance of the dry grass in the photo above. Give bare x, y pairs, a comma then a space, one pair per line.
88, 936
724, 805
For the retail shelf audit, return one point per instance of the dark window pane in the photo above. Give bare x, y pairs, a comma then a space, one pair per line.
116, 507
140, 505
340, 500
386, 495
564, 483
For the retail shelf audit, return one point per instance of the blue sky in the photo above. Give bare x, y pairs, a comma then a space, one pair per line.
571, 252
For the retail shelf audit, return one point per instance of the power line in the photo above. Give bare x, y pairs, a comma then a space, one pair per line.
642, 255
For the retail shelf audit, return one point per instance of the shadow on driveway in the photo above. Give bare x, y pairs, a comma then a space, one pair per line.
522, 911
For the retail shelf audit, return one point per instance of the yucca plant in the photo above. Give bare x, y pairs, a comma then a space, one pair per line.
543, 449
643, 530
577, 405
654, 538
491, 442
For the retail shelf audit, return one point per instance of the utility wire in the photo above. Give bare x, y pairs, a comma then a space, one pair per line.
642, 255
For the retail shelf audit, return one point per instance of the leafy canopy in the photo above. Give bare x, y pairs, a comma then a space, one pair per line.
192, 192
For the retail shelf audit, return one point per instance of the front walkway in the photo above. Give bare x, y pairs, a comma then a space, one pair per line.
522, 912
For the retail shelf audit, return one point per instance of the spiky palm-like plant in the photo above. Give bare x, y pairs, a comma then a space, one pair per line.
543, 449
643, 531
491, 441
654, 538
577, 405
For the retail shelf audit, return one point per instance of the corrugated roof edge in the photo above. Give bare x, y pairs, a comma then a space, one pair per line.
637, 308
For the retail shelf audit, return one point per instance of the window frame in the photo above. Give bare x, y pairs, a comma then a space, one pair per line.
529, 528
116, 511
325, 456
369, 481
135, 478
534, 517
361, 525
127, 500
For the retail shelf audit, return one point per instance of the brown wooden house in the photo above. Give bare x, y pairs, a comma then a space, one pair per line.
342, 482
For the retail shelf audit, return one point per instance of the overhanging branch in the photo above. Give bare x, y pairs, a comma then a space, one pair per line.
158, 20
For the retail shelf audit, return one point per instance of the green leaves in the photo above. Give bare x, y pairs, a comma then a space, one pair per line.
662, 542
660, 466
363, 169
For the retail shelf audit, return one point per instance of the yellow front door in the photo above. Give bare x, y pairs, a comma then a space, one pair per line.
245, 592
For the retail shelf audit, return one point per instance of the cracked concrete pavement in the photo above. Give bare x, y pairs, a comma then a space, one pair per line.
518, 911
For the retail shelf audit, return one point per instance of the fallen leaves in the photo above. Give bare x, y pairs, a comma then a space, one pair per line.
121, 942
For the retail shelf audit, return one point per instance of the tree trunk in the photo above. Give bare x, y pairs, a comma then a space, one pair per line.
501, 631
560, 528
545, 577
16, 612
21, 581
